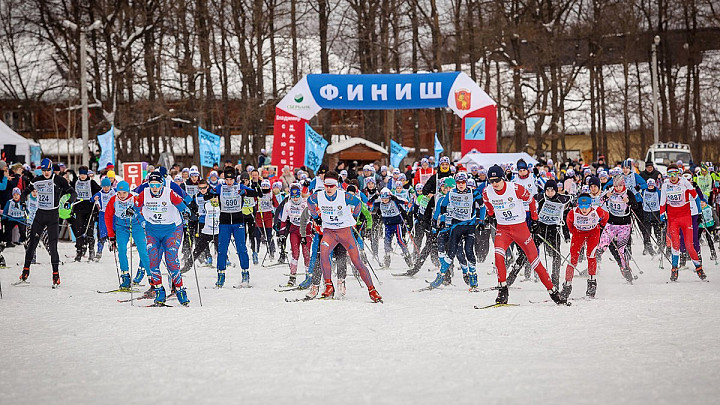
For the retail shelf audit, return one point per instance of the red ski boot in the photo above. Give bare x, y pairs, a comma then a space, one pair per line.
56, 279
374, 296
329, 290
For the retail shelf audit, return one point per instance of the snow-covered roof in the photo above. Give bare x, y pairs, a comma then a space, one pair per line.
340, 146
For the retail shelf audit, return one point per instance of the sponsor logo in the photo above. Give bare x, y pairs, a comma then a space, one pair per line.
462, 99
299, 98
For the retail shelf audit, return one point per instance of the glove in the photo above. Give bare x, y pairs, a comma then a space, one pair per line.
481, 225
303, 240
317, 221
112, 246
637, 188
130, 212
663, 217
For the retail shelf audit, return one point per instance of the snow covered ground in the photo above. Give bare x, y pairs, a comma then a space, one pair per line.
648, 343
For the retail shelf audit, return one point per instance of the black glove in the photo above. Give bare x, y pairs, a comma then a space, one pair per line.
130, 212
112, 246
637, 188
303, 240
481, 225
318, 221
186, 216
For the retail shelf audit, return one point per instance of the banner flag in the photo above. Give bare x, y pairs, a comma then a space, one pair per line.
106, 142
438, 149
209, 148
315, 146
397, 154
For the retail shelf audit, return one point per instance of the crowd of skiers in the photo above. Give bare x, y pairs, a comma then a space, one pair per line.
439, 210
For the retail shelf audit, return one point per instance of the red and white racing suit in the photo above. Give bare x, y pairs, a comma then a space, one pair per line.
585, 230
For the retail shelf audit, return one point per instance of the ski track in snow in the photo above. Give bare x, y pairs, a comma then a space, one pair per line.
651, 342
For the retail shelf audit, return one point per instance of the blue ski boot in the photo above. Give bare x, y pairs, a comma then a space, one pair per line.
182, 296
466, 277
305, 283
139, 275
208, 261
125, 281
245, 279
255, 258
160, 295
472, 278
221, 279
444, 266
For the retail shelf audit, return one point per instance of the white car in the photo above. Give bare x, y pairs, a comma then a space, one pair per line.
663, 154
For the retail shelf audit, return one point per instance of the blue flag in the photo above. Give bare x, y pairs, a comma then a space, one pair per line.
397, 154
209, 148
438, 149
106, 142
315, 146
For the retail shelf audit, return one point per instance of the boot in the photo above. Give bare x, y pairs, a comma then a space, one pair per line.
627, 273
221, 279
374, 296
341, 288
448, 276
56, 279
79, 255
312, 292
438, 280
502, 297
567, 289
182, 296
387, 260
329, 289
305, 283
700, 272
472, 278
556, 297
160, 294
25, 274
2, 262
125, 281
139, 276
674, 274
282, 257
291, 281
245, 278
408, 260
591, 288
713, 255
255, 258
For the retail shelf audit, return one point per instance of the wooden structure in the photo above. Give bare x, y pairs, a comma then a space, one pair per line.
351, 149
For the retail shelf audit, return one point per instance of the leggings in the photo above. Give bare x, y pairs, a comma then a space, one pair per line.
518, 233
344, 237
621, 235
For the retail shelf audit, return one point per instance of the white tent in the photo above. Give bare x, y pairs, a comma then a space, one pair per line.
488, 159
22, 144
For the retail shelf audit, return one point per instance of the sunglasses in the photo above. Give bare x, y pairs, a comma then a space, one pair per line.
495, 180
330, 185
203, 188
155, 185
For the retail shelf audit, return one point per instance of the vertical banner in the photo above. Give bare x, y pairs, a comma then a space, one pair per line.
479, 131
315, 146
209, 148
397, 154
106, 142
35, 155
133, 173
288, 141
438, 149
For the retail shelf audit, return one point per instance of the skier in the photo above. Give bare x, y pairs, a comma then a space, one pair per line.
290, 225
13, 216
164, 211
233, 223
552, 208
676, 196
121, 223
585, 223
197, 212
83, 225
501, 200
392, 212
338, 212
460, 210
210, 227
651, 216
102, 198
49, 188
619, 226
265, 207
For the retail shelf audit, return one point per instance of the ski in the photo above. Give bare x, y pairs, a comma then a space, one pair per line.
158, 304
296, 274
242, 286
567, 304
125, 290
299, 299
496, 306
428, 288
21, 283
406, 274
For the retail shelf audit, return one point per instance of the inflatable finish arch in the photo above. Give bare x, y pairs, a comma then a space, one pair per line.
454, 90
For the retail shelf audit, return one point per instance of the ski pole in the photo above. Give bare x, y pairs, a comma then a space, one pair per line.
197, 283
117, 270
132, 299
365, 257
660, 247
558, 252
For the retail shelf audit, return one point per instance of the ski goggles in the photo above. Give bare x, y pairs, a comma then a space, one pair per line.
155, 185
673, 173
295, 192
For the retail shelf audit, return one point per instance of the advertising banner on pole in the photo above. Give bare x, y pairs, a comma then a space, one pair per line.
289, 141
132, 172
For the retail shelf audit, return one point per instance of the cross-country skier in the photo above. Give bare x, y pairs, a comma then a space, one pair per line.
460, 209
49, 188
505, 200
102, 198
338, 212
265, 208
83, 225
290, 225
197, 211
676, 196
13, 216
232, 197
121, 223
392, 212
552, 208
651, 216
163, 211
619, 227
585, 223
